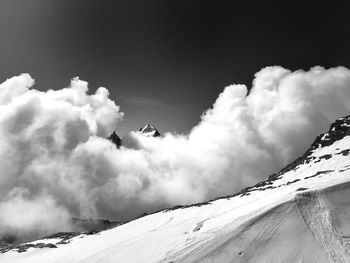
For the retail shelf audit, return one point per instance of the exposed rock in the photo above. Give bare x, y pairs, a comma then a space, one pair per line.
149, 131
115, 139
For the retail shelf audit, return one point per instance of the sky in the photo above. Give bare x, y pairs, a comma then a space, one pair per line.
165, 62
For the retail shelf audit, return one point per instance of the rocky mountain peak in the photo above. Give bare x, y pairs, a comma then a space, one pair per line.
115, 139
337, 131
149, 131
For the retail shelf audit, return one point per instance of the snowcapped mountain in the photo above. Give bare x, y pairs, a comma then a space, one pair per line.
149, 131
300, 214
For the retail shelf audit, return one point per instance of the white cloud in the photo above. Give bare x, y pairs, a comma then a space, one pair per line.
53, 151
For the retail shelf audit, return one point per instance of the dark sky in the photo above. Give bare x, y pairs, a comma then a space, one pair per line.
165, 62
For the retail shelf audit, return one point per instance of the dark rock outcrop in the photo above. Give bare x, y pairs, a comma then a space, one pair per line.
115, 139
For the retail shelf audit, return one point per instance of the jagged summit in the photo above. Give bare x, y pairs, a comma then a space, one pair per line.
149, 131
337, 131
115, 139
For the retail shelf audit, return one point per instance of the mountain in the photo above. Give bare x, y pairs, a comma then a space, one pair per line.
300, 214
149, 131
115, 139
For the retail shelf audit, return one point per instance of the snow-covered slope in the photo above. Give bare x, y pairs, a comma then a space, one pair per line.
300, 214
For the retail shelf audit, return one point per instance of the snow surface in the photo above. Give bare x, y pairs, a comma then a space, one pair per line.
295, 218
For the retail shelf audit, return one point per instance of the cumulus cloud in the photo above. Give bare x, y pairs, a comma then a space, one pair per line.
56, 163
